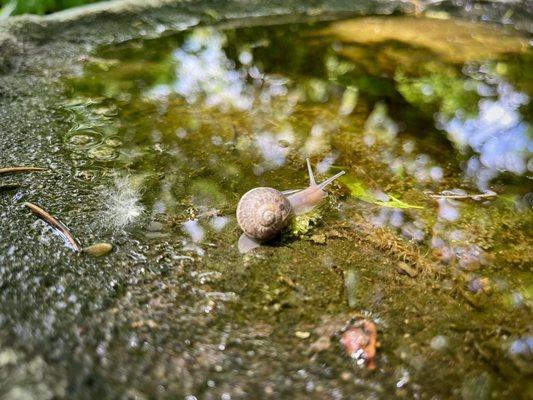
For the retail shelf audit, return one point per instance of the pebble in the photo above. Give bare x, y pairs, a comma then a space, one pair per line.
113, 142
98, 249
302, 335
85, 139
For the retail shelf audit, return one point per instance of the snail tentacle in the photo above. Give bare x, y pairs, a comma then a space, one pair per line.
312, 181
329, 180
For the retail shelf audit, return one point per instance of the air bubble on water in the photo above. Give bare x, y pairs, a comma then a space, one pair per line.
113, 142
84, 139
405, 378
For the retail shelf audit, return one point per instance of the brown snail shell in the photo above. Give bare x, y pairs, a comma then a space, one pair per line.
263, 212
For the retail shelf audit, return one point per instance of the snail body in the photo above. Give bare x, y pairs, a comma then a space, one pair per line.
263, 212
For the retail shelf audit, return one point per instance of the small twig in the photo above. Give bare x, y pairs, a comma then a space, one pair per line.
12, 170
464, 196
54, 223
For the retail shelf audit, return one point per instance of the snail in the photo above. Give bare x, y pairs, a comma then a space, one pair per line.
263, 212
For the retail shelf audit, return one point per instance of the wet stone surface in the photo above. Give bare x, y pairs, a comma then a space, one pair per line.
151, 142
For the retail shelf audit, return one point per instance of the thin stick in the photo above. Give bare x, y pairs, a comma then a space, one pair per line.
463, 196
12, 170
54, 223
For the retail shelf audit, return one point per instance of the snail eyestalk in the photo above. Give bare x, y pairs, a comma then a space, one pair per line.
312, 181
329, 180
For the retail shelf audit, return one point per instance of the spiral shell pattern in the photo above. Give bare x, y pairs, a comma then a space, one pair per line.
263, 212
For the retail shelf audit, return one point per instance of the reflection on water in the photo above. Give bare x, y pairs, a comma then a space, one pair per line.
208, 114
379, 126
498, 134
204, 72
194, 230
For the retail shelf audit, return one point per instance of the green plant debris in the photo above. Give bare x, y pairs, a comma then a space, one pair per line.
302, 224
358, 190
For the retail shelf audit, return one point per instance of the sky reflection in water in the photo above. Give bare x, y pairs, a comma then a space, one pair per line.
498, 135
288, 114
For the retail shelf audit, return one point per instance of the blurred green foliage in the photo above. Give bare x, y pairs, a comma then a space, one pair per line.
439, 92
16, 7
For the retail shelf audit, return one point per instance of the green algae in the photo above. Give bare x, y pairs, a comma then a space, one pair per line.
303, 224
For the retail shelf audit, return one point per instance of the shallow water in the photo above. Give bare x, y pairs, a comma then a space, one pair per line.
426, 234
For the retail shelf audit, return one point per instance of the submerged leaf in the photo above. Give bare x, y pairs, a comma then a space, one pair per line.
358, 190
396, 203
